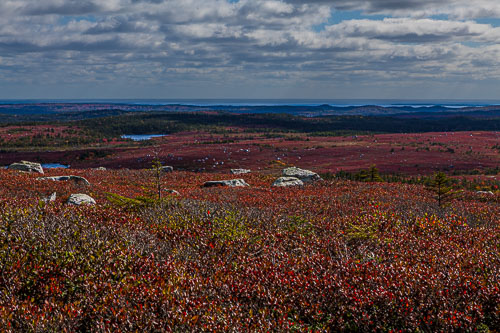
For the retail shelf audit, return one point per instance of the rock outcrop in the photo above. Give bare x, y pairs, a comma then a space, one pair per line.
305, 175
76, 179
288, 181
80, 199
229, 183
239, 171
27, 167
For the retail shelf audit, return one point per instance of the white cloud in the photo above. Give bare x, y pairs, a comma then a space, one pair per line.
272, 42
457, 9
416, 30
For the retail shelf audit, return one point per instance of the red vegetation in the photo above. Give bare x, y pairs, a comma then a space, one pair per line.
9, 133
326, 257
392, 153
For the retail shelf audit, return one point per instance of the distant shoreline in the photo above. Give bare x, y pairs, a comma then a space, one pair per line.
264, 102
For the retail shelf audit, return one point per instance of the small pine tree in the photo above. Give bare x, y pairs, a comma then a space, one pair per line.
370, 175
157, 170
362, 176
440, 185
374, 175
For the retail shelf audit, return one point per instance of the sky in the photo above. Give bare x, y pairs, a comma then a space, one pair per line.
288, 49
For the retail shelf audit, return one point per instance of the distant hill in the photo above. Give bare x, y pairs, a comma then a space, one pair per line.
90, 110
116, 119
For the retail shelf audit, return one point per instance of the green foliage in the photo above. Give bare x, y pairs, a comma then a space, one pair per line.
370, 175
299, 225
130, 204
374, 176
93, 154
474, 184
229, 227
156, 167
356, 233
171, 122
440, 186
483, 328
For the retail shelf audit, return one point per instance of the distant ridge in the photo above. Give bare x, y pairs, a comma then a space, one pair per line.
265, 102
106, 109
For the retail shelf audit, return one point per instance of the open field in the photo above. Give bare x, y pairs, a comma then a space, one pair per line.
415, 153
334, 255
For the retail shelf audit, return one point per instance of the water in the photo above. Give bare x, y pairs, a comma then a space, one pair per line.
47, 166
268, 102
54, 165
141, 137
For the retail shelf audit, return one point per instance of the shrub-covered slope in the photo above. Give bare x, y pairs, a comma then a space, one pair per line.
331, 256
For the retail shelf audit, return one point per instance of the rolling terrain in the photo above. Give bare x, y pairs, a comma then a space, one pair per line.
158, 250
328, 256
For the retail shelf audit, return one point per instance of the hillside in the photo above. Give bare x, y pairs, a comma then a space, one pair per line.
329, 256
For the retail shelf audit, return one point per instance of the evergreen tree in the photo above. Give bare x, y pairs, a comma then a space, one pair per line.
362, 176
374, 175
440, 185
157, 170
370, 175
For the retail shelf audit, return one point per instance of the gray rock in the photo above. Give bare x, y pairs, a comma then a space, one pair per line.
485, 192
305, 175
80, 199
288, 181
51, 198
239, 171
76, 179
229, 183
27, 167
101, 169
173, 192
167, 169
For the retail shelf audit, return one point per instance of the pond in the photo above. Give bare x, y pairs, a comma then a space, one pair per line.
141, 137
54, 165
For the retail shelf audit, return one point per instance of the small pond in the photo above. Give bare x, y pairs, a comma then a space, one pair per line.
141, 137
46, 166
54, 165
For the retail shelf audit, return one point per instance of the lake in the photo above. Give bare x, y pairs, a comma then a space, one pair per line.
141, 137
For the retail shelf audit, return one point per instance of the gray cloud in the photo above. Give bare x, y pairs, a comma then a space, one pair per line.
416, 30
175, 47
61, 8
375, 5
461, 9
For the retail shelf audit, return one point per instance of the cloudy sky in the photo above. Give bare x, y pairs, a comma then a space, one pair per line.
318, 49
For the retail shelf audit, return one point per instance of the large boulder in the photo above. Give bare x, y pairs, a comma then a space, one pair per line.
229, 183
288, 181
239, 171
80, 199
305, 175
27, 167
76, 179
